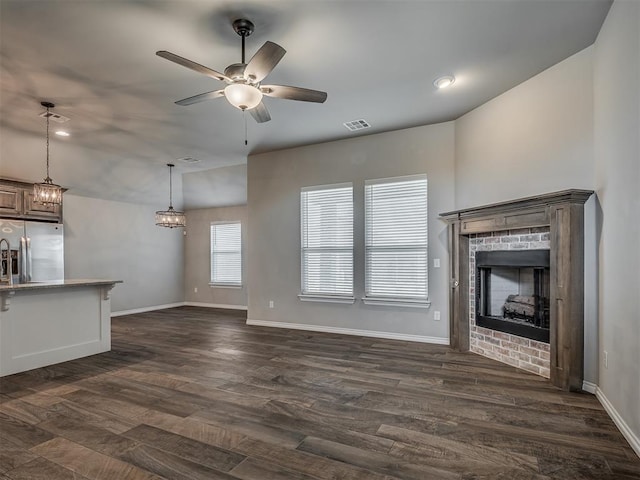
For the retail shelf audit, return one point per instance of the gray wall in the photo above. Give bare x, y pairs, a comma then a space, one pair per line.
617, 179
198, 259
273, 255
535, 138
222, 187
576, 123
120, 241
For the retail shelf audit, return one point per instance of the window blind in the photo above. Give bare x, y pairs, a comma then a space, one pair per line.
396, 238
327, 240
226, 253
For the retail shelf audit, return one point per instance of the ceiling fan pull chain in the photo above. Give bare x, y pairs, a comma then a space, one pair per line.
244, 116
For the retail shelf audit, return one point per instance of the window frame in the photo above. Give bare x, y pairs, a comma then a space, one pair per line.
327, 297
395, 300
212, 282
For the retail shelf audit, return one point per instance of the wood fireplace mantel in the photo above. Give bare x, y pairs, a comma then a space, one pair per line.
563, 213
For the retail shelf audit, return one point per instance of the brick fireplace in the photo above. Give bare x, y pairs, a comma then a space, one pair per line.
522, 343
522, 304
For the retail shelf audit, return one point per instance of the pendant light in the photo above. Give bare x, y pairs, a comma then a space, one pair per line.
47, 192
170, 218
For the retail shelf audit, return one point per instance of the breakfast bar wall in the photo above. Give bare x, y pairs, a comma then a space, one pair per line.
51, 322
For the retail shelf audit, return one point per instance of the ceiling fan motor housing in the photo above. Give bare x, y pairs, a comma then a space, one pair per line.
243, 27
236, 71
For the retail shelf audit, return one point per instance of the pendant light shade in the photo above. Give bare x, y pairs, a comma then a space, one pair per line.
47, 192
170, 218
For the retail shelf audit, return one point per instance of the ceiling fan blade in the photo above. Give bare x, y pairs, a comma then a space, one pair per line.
260, 113
201, 98
294, 93
172, 57
263, 61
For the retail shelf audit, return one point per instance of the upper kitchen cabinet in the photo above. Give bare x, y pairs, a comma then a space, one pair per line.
16, 201
10, 200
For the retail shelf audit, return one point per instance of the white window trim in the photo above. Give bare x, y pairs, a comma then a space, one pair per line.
397, 301
401, 178
213, 284
315, 188
326, 298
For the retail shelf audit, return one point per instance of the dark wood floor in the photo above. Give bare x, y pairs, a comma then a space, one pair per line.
192, 393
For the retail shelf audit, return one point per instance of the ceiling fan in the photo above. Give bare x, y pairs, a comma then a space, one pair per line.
244, 90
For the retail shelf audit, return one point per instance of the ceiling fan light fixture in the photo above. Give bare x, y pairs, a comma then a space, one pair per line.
444, 81
243, 96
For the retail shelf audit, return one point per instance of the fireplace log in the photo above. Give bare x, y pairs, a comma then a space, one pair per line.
519, 306
527, 300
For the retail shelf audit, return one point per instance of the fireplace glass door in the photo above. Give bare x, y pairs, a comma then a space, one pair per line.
512, 292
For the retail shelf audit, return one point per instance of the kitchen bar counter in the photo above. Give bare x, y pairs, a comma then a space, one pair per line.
59, 284
44, 323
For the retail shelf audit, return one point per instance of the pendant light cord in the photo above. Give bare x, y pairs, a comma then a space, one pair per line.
170, 187
48, 179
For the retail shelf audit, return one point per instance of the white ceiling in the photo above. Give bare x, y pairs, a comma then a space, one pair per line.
376, 59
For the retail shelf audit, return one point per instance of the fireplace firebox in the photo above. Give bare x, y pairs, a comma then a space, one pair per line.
513, 291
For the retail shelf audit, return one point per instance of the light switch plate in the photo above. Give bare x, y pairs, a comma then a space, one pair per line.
436, 263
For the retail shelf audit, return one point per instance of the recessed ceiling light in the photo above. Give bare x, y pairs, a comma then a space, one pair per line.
62, 133
444, 81
188, 160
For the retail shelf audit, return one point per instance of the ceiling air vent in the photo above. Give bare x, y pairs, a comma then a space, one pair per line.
356, 125
56, 117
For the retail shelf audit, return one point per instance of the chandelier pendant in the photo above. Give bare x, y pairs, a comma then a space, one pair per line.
47, 193
170, 218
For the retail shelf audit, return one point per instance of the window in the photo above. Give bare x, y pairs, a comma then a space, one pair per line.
226, 254
327, 243
396, 241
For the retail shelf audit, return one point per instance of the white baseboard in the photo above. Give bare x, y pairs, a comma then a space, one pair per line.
349, 331
626, 431
215, 305
589, 387
177, 304
146, 309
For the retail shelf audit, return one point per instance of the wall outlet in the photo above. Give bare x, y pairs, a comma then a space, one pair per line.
270, 303
436, 263
606, 359
195, 289
436, 315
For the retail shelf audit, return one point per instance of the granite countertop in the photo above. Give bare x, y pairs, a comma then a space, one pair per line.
56, 284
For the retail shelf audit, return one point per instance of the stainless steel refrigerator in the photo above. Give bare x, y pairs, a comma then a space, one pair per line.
37, 250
